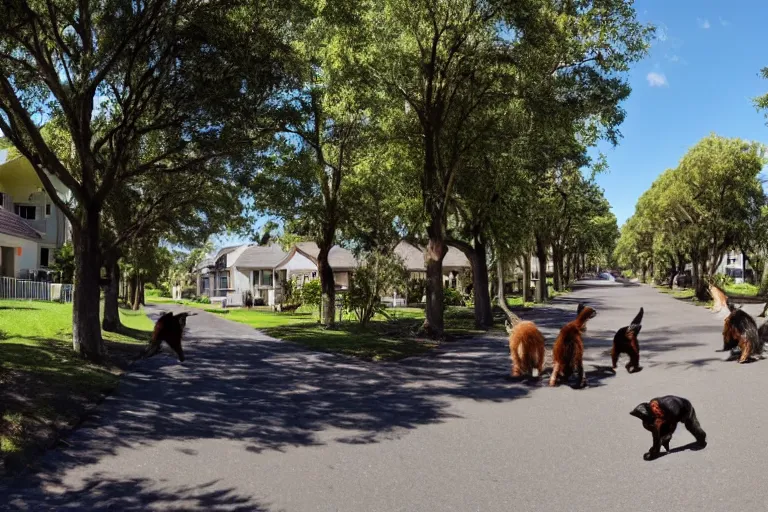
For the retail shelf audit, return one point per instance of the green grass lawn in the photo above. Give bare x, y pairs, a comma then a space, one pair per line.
686, 294
383, 338
43, 384
742, 289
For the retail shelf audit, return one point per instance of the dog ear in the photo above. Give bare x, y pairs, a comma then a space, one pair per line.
580, 308
642, 411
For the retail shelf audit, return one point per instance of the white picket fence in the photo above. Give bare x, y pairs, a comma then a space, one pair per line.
22, 289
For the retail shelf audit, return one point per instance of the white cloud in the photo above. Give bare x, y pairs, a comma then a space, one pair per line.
661, 33
656, 79
703, 23
724, 23
672, 58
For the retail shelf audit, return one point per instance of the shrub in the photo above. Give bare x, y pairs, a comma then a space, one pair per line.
151, 292
722, 280
311, 293
203, 299
452, 297
417, 288
378, 274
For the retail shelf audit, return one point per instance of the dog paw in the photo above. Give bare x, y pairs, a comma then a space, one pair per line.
648, 456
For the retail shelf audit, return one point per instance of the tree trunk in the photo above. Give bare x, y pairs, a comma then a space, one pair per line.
673, 272
433, 260
137, 294
568, 262
111, 322
541, 285
527, 277
512, 319
764, 279
557, 277
476, 254
130, 298
327, 285
86, 327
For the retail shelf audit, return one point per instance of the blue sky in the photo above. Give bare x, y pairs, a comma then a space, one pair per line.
700, 77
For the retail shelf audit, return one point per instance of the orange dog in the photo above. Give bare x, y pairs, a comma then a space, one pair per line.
568, 351
526, 349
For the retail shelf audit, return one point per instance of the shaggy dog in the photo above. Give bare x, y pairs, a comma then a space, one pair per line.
568, 351
168, 329
740, 331
660, 417
526, 349
625, 342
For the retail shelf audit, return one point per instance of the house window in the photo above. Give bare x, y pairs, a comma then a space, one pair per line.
266, 278
48, 209
2, 199
25, 212
204, 282
224, 282
314, 275
44, 255
256, 277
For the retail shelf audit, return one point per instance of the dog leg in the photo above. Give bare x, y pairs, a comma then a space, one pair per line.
693, 426
656, 448
555, 374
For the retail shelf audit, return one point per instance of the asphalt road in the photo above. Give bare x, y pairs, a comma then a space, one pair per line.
250, 423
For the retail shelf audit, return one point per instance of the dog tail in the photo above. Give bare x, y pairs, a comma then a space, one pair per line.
635, 325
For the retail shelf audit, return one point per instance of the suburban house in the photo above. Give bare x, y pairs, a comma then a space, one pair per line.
31, 226
301, 264
453, 264
232, 271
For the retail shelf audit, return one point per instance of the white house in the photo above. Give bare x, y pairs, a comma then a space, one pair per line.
301, 264
31, 226
262, 270
453, 264
232, 271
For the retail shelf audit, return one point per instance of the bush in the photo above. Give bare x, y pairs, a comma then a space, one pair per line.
203, 299
378, 274
452, 297
722, 280
311, 293
417, 288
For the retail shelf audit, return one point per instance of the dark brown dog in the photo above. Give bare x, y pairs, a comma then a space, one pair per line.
168, 329
568, 351
625, 342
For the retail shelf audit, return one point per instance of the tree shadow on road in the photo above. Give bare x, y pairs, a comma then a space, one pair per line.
102, 492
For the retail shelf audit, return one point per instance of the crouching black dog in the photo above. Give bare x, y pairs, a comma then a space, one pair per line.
660, 417
168, 329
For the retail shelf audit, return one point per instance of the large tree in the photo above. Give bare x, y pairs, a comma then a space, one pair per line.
447, 62
167, 77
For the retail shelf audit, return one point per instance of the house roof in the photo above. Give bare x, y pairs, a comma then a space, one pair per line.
14, 225
261, 256
338, 257
211, 258
413, 257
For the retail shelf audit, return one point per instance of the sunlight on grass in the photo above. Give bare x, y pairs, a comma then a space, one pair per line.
49, 382
742, 289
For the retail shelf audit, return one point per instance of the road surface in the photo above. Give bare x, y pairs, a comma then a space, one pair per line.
251, 423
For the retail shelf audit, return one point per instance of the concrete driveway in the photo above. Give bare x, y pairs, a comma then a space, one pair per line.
250, 423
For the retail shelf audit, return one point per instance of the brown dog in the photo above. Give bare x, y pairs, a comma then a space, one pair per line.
526, 349
568, 351
168, 328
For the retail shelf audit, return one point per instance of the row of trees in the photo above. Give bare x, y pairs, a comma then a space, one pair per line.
711, 203
453, 122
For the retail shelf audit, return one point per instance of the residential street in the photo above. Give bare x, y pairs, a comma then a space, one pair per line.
250, 423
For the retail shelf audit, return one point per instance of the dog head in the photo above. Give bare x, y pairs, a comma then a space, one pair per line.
642, 411
585, 312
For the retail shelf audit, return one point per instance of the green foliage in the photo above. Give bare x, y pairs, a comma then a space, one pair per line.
712, 202
290, 293
452, 297
377, 275
416, 290
311, 293
64, 262
203, 299
722, 281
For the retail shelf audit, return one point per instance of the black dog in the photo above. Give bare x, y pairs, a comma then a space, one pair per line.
660, 417
168, 329
625, 342
740, 330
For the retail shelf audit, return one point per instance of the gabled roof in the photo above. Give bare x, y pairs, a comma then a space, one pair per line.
210, 259
14, 225
338, 257
413, 257
260, 256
